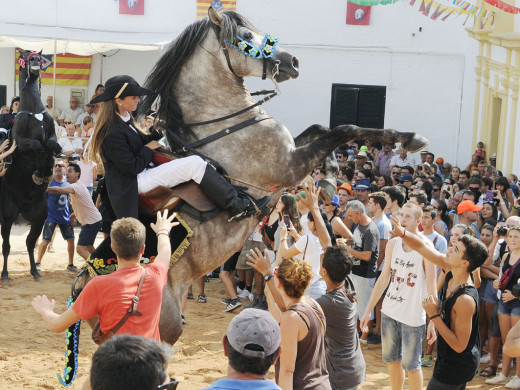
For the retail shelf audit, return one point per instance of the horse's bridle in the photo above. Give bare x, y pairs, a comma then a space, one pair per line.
23, 62
247, 48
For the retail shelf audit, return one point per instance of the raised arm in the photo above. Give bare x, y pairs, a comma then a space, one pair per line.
56, 322
61, 190
162, 229
417, 244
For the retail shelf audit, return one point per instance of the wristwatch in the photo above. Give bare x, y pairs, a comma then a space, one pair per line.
268, 276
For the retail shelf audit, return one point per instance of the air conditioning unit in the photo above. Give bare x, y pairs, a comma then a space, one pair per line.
80, 94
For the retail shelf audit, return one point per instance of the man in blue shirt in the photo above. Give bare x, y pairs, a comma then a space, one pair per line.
252, 345
58, 209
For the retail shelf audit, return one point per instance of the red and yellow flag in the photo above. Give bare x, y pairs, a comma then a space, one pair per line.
71, 69
224, 5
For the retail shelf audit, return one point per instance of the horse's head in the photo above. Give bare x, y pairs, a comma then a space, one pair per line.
30, 63
248, 53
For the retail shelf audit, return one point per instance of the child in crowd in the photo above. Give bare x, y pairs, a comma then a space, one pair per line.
480, 150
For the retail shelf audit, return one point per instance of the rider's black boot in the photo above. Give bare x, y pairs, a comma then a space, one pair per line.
225, 196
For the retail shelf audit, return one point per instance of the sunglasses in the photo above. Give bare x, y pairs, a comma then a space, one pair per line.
171, 385
435, 189
68, 123
489, 202
59, 165
396, 173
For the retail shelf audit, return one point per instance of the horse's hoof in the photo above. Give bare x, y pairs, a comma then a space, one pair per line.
328, 189
37, 180
416, 143
5, 279
36, 275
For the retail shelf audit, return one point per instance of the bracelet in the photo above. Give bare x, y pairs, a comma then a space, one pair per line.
163, 230
435, 316
283, 239
403, 234
162, 234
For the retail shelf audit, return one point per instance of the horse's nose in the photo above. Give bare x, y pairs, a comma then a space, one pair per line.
296, 64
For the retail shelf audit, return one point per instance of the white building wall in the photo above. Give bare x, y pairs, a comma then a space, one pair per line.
427, 66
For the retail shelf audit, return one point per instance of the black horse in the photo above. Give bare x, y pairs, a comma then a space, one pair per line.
23, 188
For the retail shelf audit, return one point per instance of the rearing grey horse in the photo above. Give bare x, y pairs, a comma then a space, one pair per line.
199, 79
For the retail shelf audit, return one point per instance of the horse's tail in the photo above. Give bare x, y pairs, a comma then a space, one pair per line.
71, 352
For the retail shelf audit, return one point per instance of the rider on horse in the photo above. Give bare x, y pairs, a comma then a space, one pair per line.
127, 152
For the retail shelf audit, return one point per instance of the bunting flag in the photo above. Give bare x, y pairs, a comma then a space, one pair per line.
373, 2
503, 6
217, 5
131, 7
461, 7
71, 70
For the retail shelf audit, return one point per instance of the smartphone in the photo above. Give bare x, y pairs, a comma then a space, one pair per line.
489, 195
287, 221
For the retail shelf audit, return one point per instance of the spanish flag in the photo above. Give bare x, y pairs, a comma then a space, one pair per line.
71, 69
218, 5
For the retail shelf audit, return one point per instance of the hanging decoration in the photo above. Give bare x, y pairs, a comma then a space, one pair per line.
358, 15
373, 2
436, 10
503, 6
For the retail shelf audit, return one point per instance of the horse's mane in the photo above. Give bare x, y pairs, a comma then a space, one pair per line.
166, 71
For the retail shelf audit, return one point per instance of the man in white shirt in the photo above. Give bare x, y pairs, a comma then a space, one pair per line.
411, 279
54, 111
70, 144
73, 111
84, 210
402, 159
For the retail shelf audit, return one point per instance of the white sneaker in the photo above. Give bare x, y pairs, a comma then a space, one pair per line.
514, 383
243, 294
499, 379
251, 297
239, 290
485, 359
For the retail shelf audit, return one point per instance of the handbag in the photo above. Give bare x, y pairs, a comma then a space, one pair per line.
269, 244
508, 274
97, 334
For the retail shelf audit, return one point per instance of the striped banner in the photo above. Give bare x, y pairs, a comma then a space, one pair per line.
72, 69
224, 5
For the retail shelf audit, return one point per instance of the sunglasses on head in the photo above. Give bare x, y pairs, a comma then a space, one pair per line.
489, 202
171, 385
59, 165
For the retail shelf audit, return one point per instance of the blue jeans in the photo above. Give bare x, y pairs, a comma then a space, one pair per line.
401, 342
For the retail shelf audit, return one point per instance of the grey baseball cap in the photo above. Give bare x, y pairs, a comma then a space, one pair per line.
254, 333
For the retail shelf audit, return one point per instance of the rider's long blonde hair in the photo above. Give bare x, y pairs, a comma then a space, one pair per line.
105, 118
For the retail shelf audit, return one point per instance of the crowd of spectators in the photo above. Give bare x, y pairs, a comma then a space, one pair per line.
335, 277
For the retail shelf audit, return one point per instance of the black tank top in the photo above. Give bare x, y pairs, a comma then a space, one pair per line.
451, 367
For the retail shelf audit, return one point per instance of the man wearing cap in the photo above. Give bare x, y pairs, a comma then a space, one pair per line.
424, 154
362, 157
402, 159
252, 344
383, 159
468, 215
363, 189
493, 160
406, 179
344, 194
126, 153
73, 111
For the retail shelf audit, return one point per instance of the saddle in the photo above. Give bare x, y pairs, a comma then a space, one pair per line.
186, 197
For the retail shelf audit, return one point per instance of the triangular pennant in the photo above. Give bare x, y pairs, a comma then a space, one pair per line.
438, 12
446, 16
422, 7
428, 7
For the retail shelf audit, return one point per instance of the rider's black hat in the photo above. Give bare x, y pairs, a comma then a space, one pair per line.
120, 87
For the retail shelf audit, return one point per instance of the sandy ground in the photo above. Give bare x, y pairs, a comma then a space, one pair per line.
31, 355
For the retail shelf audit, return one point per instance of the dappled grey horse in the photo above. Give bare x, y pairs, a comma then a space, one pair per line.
201, 91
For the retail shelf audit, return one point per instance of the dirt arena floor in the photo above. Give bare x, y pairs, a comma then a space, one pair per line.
31, 355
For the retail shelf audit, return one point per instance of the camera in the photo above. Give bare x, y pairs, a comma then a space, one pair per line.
419, 168
502, 230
